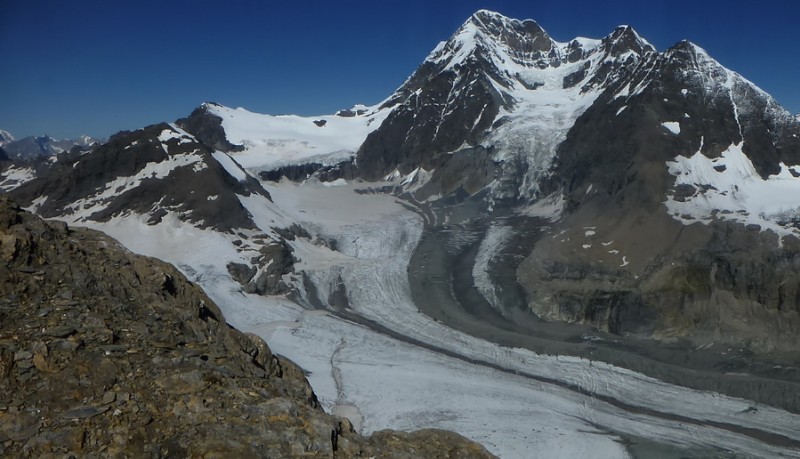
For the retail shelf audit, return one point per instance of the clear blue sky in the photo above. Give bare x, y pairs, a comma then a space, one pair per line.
97, 67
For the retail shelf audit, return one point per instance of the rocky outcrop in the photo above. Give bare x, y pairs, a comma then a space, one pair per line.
150, 171
207, 128
265, 275
298, 172
104, 353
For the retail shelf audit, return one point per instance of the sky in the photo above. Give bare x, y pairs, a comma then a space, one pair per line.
97, 67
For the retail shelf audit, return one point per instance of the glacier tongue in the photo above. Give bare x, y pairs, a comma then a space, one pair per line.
420, 375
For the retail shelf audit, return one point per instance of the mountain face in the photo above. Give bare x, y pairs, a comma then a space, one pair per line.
31, 148
673, 178
151, 171
499, 89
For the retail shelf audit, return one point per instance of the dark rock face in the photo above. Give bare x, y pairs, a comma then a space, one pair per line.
349, 113
207, 128
136, 172
418, 130
298, 172
104, 353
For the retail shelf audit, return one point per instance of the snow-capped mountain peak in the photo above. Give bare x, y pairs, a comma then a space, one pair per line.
5, 137
502, 84
625, 39
492, 36
33, 147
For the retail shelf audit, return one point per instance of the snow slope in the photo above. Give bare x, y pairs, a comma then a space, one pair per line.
15, 176
274, 141
728, 187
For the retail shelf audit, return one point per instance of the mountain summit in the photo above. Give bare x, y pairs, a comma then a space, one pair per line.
498, 84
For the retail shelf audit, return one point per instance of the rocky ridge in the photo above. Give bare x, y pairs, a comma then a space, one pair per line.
108, 354
153, 171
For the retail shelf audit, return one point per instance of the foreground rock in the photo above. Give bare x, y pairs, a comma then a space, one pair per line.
107, 354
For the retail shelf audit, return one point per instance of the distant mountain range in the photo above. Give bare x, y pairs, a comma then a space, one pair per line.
32, 147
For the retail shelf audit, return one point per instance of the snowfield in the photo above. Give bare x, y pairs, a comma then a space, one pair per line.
273, 141
728, 187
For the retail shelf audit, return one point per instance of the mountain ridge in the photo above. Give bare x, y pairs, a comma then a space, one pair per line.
33, 148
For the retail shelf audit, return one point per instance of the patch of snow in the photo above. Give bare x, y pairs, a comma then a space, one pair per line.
230, 166
625, 261
672, 126
15, 176
174, 133
36, 204
590, 232
621, 109
337, 182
